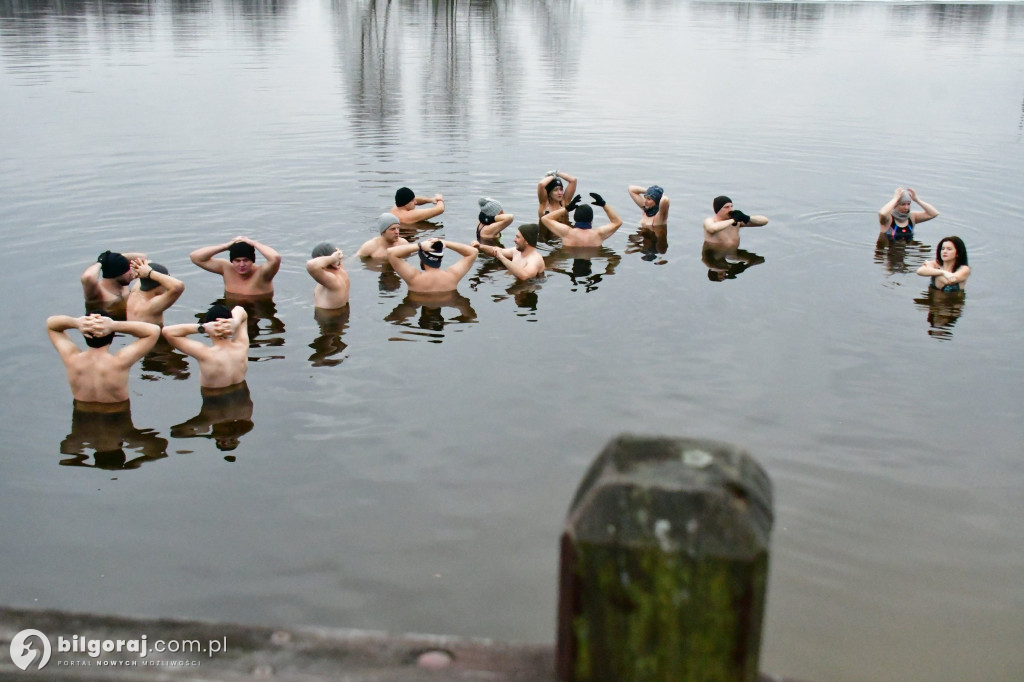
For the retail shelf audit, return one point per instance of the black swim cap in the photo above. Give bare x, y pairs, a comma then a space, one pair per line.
584, 214
720, 202
216, 312
242, 250
432, 258
99, 341
557, 182
403, 196
112, 264
146, 284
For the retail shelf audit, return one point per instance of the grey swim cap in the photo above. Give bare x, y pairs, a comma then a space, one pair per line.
323, 249
386, 220
489, 207
146, 284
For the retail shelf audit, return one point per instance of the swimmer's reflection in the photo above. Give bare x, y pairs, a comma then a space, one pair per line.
105, 430
163, 359
944, 309
727, 263
226, 416
263, 325
428, 309
578, 263
328, 345
650, 241
389, 280
893, 254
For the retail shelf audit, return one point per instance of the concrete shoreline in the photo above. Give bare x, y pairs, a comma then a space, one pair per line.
302, 654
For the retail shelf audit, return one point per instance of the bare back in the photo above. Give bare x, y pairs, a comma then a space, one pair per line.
96, 376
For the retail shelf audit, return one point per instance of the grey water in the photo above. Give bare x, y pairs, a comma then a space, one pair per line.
408, 468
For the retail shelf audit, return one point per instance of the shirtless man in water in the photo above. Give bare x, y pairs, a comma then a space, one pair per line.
377, 248
225, 361
95, 374
241, 273
653, 202
332, 284
431, 278
722, 230
406, 202
524, 261
157, 291
105, 282
582, 232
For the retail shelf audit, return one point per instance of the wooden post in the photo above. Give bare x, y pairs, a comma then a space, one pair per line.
664, 565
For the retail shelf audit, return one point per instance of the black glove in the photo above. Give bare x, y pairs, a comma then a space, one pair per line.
573, 204
598, 201
739, 216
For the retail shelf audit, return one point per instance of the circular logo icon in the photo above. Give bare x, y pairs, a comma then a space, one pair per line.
23, 653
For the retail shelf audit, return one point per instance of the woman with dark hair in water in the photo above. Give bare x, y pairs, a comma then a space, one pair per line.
949, 271
551, 193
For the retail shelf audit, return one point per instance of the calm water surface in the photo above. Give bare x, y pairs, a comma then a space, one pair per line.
408, 468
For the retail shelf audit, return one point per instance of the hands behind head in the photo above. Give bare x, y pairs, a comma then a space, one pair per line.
739, 216
220, 329
95, 325
598, 201
137, 265
571, 206
246, 240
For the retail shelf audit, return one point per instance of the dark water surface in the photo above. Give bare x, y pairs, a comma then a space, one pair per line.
408, 468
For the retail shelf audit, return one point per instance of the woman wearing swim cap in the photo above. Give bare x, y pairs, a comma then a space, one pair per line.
897, 221
653, 202
492, 219
551, 193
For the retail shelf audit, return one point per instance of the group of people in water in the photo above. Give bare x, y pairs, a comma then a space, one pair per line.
127, 294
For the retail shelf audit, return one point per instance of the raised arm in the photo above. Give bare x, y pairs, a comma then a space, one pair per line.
712, 226
174, 287
146, 335
91, 281
177, 336
608, 230
57, 327
468, 253
317, 268
502, 221
418, 214
489, 250
636, 193
885, 213
397, 256
553, 223
927, 214
238, 326
204, 257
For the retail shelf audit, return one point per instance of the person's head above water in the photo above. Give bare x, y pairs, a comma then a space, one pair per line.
959, 255
113, 265
720, 201
216, 312
431, 258
530, 233
99, 341
404, 196
386, 220
242, 250
323, 249
901, 211
147, 284
583, 217
555, 184
489, 210
654, 193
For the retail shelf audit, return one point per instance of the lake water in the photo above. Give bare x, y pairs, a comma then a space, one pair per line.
409, 468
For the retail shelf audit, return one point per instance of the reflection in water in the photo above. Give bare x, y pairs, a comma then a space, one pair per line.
944, 309
524, 293
578, 263
263, 325
333, 324
893, 253
226, 416
431, 321
106, 433
650, 241
727, 263
163, 359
